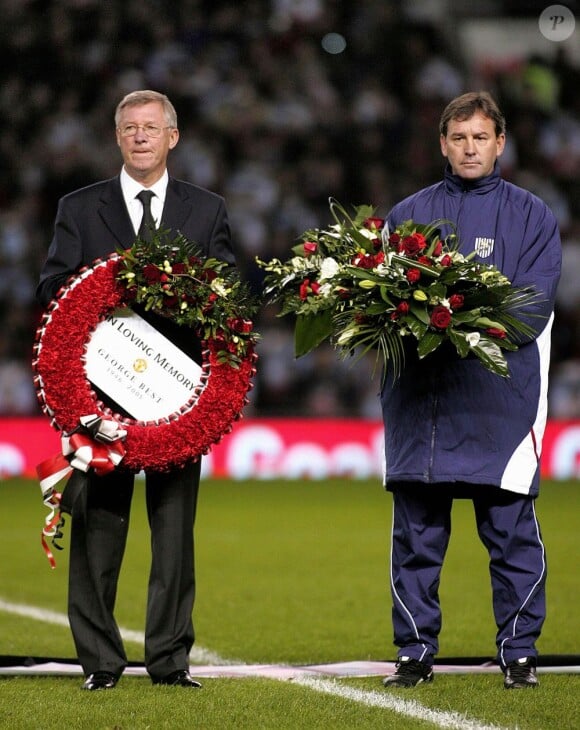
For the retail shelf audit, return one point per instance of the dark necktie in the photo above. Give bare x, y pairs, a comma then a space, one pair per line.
147, 223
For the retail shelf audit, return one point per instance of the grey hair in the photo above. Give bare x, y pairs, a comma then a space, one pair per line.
146, 96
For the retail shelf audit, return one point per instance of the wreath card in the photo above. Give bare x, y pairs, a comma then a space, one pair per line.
138, 367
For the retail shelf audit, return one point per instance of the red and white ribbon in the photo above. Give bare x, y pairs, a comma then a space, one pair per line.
97, 445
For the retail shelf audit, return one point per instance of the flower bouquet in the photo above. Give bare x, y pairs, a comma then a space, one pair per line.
173, 279
366, 288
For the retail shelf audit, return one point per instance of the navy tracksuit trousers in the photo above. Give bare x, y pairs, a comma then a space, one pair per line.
507, 526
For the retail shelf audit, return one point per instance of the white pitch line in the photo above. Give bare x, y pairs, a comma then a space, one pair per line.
198, 653
385, 701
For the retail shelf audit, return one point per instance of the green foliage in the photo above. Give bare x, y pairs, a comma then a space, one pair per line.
363, 287
173, 278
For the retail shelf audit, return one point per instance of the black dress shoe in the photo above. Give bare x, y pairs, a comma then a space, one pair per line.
100, 680
180, 678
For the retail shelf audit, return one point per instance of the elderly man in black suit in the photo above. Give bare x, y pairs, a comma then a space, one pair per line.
90, 224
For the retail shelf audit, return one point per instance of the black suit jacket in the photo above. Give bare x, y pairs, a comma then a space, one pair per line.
94, 221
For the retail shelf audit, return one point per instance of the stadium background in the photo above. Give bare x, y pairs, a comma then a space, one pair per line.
281, 104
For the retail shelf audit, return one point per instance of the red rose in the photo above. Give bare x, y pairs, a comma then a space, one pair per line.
413, 275
360, 318
496, 332
374, 223
425, 260
179, 268
394, 239
310, 247
240, 325
151, 273
456, 301
306, 287
440, 317
364, 261
169, 302
413, 245
446, 260
401, 310
438, 248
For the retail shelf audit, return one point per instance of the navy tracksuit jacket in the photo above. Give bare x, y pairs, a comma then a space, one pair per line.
452, 425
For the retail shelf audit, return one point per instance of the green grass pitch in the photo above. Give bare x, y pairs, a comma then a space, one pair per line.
294, 573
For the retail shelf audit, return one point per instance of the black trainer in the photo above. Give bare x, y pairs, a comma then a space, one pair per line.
410, 673
521, 674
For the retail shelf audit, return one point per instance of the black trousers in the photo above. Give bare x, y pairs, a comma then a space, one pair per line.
100, 522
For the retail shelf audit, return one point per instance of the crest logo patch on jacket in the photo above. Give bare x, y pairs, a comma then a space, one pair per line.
484, 246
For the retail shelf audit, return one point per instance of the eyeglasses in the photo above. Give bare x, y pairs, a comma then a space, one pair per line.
151, 130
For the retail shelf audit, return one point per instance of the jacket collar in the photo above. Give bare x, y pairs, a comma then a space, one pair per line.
457, 185
114, 212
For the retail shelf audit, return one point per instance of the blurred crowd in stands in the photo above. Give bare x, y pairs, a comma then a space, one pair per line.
276, 115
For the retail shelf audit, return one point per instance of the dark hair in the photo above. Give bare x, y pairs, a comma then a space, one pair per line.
465, 106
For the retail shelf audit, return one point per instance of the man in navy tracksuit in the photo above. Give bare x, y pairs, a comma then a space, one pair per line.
454, 429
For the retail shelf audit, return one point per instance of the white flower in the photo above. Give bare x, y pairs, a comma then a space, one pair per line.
299, 263
367, 233
346, 335
217, 286
473, 339
383, 269
325, 289
328, 268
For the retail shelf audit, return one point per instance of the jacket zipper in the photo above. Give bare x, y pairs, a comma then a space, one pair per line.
433, 436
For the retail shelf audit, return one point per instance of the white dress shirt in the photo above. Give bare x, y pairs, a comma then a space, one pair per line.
131, 188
